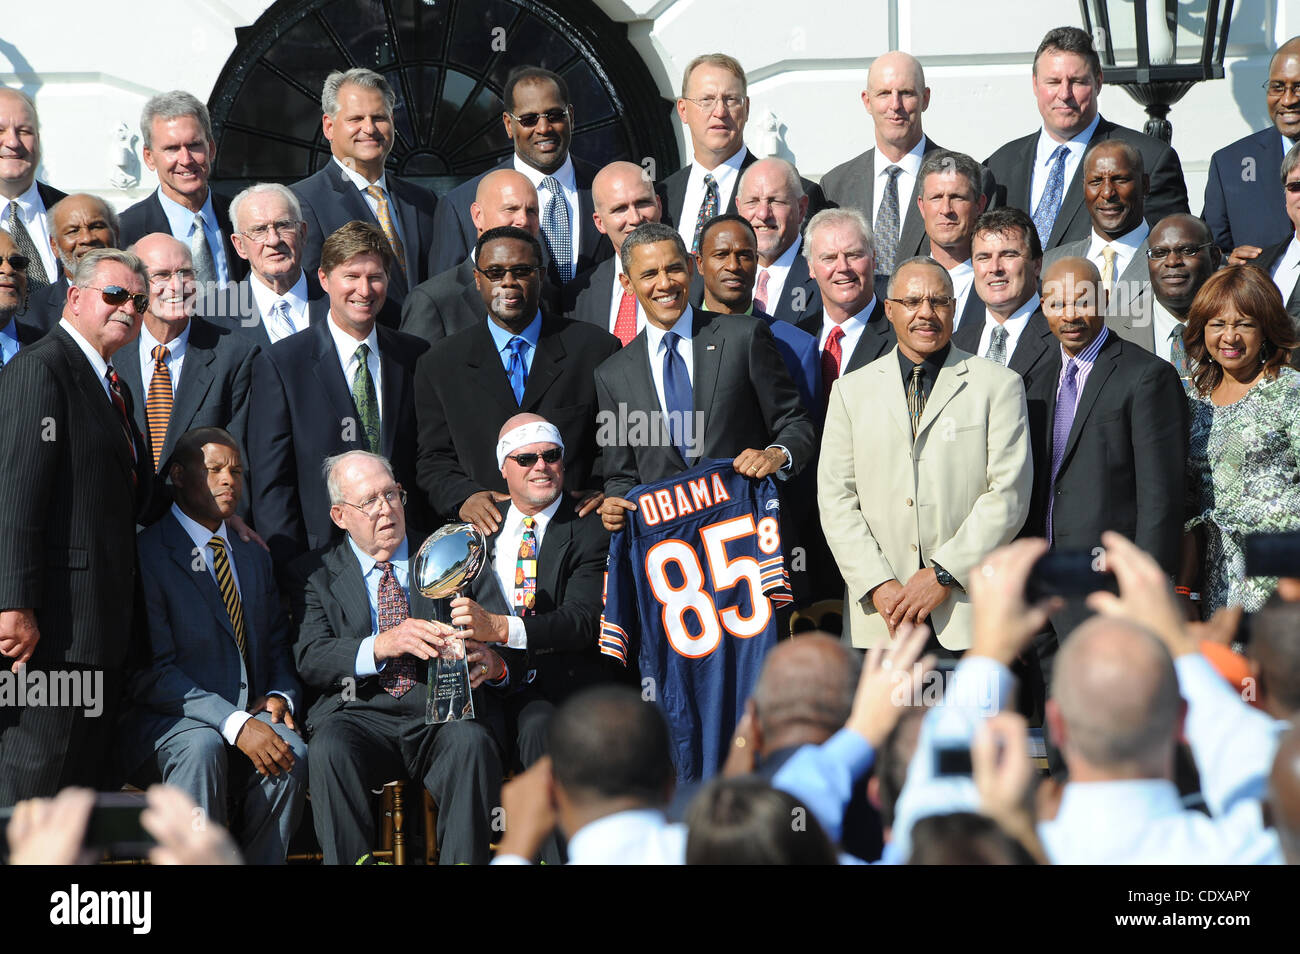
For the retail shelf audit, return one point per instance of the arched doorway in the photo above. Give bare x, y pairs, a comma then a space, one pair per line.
447, 61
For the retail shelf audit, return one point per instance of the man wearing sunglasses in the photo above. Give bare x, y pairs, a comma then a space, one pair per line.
519, 356
76, 474
539, 119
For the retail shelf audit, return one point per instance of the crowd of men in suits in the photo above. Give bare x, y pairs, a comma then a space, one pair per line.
284, 392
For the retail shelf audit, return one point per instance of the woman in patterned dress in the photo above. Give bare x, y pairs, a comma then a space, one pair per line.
1243, 468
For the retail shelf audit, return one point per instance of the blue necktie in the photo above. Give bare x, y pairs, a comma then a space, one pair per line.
1050, 203
516, 369
677, 396
1067, 398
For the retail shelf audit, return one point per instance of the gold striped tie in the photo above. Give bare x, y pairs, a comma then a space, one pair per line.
386, 223
158, 405
230, 595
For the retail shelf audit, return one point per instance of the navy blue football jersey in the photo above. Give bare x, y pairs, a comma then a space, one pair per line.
691, 586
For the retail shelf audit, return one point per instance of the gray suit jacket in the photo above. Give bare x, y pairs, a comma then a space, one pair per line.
1124, 311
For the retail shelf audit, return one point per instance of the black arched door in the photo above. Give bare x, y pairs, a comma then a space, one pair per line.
447, 61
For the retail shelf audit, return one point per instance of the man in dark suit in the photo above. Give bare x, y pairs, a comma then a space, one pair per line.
75, 472
179, 147
353, 185
343, 384
184, 372
218, 677
539, 119
1282, 259
516, 357
14, 334
24, 202
771, 197
1243, 205
1180, 259
364, 638
78, 223
277, 299
711, 385
449, 301
949, 199
1042, 172
624, 197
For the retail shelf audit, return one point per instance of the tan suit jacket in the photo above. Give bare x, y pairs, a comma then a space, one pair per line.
888, 505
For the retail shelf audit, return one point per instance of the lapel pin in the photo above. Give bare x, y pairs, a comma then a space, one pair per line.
710, 347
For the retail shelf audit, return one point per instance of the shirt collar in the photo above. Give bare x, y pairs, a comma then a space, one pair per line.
910, 163
1102, 802
855, 322
597, 837
512, 525
1089, 354
722, 172
932, 363
501, 337
1047, 145
1024, 311
958, 272
28, 202
564, 175
346, 345
1162, 312
367, 562
94, 357
180, 219
360, 181
786, 258
684, 328
176, 347
200, 534
266, 298
1129, 241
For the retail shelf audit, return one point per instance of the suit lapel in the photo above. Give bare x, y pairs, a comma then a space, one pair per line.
194, 565
196, 381
1102, 369
128, 370
395, 397
548, 362
707, 356
488, 371
410, 225
946, 385
329, 372
550, 559
1031, 345
348, 586
895, 396
97, 398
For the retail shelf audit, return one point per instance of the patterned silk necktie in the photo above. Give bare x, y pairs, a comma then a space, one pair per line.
1050, 204
831, 357
284, 326
760, 289
36, 277
708, 209
998, 345
886, 227
556, 228
526, 571
680, 404
115, 395
915, 399
205, 269
1178, 351
363, 395
398, 677
386, 223
229, 593
1067, 399
158, 405
625, 323
516, 369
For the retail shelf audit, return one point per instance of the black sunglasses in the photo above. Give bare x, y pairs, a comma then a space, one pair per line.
526, 461
117, 295
496, 273
553, 116
17, 262
1293, 186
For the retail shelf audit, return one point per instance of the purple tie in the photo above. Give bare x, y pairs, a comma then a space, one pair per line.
1067, 398
398, 677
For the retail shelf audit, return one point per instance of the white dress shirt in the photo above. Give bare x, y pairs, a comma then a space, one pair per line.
1163, 325
346, 346
35, 218
1043, 161
505, 560
1015, 325
569, 185
778, 272
616, 299
1125, 247
636, 837
853, 328
362, 184
176, 349
94, 357
296, 297
685, 328
726, 173
180, 221
1287, 270
963, 280
910, 164
371, 576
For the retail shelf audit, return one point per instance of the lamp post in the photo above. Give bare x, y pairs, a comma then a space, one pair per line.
1156, 77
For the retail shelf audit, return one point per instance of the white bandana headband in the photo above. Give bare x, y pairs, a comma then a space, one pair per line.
534, 432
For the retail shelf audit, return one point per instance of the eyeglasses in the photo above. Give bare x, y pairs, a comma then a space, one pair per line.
162, 278
17, 262
262, 233
1277, 88
1159, 253
1292, 187
710, 103
117, 295
527, 461
370, 506
937, 302
496, 273
553, 116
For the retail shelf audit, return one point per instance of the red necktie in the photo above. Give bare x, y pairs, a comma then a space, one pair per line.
115, 394
760, 290
625, 323
398, 677
831, 362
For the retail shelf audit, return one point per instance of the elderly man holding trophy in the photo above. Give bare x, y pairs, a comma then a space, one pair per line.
402, 693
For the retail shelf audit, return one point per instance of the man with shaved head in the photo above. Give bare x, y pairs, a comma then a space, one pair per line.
771, 196
78, 223
1244, 205
882, 182
449, 301
624, 197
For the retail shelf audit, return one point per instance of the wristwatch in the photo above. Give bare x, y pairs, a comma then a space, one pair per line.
943, 576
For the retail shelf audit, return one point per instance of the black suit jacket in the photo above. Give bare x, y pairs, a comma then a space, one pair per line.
593, 299
72, 493
1244, 201
330, 200
147, 216
1124, 460
739, 384
457, 440
304, 413
1265, 261
800, 288
236, 309
672, 192
45, 305
1013, 164
877, 338
457, 235
1034, 351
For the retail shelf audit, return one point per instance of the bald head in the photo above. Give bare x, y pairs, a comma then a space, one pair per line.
770, 196
518, 421
1284, 794
1116, 708
505, 197
805, 691
171, 283
623, 197
895, 97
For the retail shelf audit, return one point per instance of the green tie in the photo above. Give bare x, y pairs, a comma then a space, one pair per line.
363, 394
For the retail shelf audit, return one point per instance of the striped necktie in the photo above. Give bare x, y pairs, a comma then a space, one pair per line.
119, 405
915, 399
158, 405
386, 223
229, 593
36, 277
